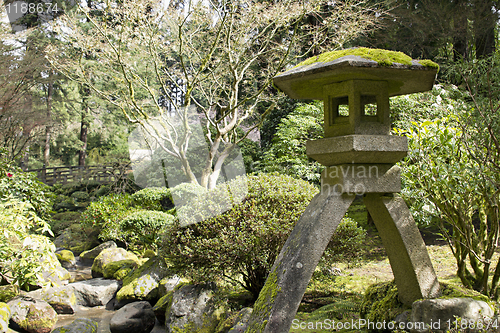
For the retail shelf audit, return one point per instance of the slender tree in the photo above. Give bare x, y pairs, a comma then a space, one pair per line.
221, 55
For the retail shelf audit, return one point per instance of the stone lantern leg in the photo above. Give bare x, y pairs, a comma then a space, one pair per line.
360, 157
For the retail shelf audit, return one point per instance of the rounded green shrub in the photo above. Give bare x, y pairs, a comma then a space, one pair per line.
153, 198
147, 226
183, 193
242, 243
80, 196
346, 243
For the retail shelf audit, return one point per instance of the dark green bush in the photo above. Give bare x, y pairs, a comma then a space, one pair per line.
153, 198
80, 196
244, 241
346, 243
105, 216
147, 226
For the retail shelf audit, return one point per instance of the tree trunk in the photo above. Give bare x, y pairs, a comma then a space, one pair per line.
484, 28
83, 138
48, 127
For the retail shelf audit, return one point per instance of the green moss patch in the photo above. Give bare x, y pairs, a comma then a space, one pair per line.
8, 292
381, 302
119, 269
382, 57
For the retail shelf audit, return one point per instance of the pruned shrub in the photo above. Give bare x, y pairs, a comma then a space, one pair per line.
183, 193
146, 226
153, 198
345, 244
242, 243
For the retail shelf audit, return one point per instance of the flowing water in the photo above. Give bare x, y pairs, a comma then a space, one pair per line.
98, 313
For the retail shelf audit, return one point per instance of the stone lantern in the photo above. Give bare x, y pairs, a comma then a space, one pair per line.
360, 155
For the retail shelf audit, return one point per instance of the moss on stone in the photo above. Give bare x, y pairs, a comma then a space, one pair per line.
65, 256
264, 303
8, 292
139, 284
382, 57
122, 266
428, 63
149, 254
381, 302
454, 291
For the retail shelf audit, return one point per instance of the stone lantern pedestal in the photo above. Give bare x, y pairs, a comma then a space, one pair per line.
360, 155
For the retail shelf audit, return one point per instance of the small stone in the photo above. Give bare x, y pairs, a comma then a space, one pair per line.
137, 317
66, 258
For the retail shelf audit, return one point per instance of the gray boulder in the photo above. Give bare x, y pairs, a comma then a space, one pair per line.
32, 315
95, 292
89, 256
62, 299
437, 313
193, 307
80, 325
137, 317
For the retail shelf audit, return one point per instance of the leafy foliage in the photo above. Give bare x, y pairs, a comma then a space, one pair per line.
244, 241
16, 184
23, 203
105, 215
450, 185
146, 226
287, 153
345, 244
153, 198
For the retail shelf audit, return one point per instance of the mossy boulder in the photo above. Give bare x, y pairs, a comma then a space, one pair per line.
164, 303
74, 238
60, 221
90, 255
66, 258
32, 315
119, 269
381, 303
4, 317
194, 309
8, 292
142, 284
109, 256
80, 325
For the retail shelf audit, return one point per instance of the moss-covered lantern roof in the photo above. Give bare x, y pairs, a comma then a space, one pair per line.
403, 74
